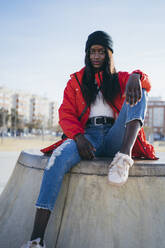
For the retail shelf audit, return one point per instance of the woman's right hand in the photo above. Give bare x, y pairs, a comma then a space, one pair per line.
85, 148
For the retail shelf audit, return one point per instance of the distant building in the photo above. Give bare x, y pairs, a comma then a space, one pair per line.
21, 103
53, 116
155, 116
39, 109
6, 98
29, 107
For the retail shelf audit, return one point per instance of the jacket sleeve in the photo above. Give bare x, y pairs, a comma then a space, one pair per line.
68, 115
123, 79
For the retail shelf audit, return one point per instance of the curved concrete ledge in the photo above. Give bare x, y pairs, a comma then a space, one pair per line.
89, 212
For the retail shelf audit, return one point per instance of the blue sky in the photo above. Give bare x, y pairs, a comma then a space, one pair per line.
42, 42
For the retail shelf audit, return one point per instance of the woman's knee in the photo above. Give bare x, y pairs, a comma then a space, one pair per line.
62, 154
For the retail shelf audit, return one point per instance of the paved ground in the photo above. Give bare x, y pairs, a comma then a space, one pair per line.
19, 144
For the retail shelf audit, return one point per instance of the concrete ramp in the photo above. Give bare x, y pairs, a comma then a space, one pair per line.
89, 213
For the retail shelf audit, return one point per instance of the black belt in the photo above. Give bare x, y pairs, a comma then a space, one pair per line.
100, 120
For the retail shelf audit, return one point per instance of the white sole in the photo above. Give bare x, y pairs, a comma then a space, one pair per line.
116, 184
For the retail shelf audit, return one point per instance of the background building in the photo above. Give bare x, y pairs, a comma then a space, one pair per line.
6, 98
155, 117
24, 109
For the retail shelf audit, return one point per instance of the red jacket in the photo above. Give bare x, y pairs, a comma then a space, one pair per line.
73, 105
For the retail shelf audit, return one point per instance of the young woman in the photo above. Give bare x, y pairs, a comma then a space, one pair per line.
101, 115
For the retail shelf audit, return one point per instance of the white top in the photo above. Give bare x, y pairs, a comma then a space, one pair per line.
100, 107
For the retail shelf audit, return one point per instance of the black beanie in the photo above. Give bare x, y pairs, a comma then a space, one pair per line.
99, 38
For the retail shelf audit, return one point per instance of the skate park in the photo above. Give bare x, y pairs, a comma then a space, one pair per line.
89, 212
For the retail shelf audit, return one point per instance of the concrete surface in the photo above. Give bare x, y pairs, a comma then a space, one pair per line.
7, 164
89, 212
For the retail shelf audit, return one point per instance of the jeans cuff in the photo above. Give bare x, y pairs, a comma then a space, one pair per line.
139, 119
44, 206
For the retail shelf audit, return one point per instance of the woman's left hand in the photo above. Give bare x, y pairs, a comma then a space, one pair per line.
133, 89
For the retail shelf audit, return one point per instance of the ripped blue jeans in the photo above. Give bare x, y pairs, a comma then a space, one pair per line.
107, 141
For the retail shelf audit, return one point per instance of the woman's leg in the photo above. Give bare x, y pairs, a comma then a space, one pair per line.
121, 138
40, 223
130, 134
60, 162
122, 135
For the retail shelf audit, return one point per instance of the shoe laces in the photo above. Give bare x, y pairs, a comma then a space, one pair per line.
116, 166
121, 170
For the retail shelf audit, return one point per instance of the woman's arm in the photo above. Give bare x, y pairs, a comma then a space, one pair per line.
68, 116
132, 84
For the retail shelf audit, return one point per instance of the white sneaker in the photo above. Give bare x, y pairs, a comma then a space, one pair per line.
33, 244
119, 169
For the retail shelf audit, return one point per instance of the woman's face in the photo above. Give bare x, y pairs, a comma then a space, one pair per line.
97, 56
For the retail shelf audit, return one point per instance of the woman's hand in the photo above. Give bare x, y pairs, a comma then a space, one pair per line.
133, 89
85, 148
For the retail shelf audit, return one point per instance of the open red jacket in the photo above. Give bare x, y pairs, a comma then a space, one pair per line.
74, 104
